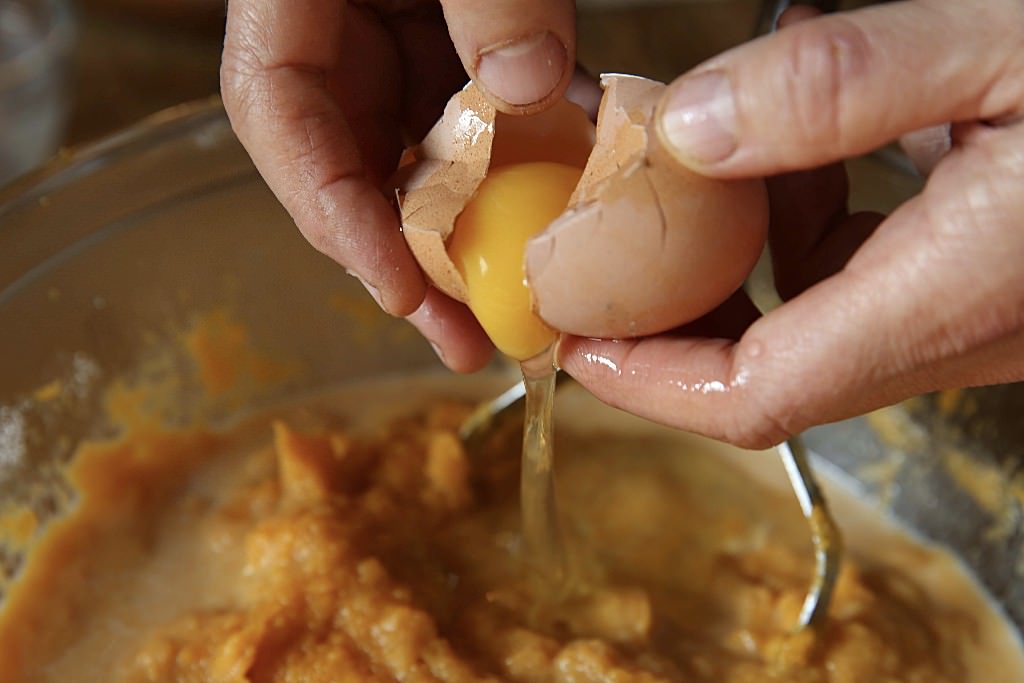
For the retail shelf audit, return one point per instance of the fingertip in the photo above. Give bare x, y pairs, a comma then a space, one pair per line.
357, 227
452, 331
827, 88
593, 363
405, 287
568, 347
588, 361
466, 349
464, 360
399, 303
519, 52
926, 147
696, 120
402, 301
585, 91
697, 115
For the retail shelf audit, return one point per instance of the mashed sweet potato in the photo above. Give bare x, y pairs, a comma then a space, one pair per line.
325, 553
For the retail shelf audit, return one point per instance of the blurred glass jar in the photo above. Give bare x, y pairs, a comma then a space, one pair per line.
36, 37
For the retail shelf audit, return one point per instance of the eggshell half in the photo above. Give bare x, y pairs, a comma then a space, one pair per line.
647, 245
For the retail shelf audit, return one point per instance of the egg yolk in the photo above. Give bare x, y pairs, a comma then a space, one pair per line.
512, 204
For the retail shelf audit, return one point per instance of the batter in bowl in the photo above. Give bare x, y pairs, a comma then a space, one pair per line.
355, 539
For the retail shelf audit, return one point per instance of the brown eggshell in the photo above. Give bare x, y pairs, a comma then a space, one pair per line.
437, 179
648, 244
439, 176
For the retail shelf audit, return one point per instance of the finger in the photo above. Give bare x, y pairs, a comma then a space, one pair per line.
453, 331
933, 300
585, 91
691, 384
802, 206
840, 85
371, 99
520, 52
275, 82
812, 235
836, 247
683, 382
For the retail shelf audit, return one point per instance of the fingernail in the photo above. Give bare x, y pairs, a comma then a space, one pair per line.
698, 118
438, 351
374, 292
523, 71
425, 322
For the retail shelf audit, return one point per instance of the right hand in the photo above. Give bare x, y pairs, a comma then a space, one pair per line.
324, 95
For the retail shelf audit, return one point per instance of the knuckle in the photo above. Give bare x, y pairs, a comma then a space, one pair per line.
332, 240
823, 62
240, 79
243, 60
343, 224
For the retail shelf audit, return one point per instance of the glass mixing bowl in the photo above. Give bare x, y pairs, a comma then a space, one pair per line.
36, 38
106, 256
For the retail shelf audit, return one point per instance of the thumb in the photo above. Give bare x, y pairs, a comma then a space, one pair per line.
520, 52
841, 85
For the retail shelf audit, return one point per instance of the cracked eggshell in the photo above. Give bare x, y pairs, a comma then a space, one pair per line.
647, 245
437, 178
440, 175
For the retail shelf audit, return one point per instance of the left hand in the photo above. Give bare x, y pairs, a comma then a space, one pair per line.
931, 299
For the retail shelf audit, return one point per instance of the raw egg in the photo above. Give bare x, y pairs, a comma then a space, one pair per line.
542, 223
511, 205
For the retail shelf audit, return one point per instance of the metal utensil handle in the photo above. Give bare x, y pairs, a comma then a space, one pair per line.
824, 532
825, 535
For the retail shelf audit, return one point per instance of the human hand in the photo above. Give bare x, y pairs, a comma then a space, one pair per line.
933, 298
325, 94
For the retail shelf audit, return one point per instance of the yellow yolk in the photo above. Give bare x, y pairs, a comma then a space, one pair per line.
512, 204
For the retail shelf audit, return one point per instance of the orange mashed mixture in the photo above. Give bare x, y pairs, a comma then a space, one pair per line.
308, 550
